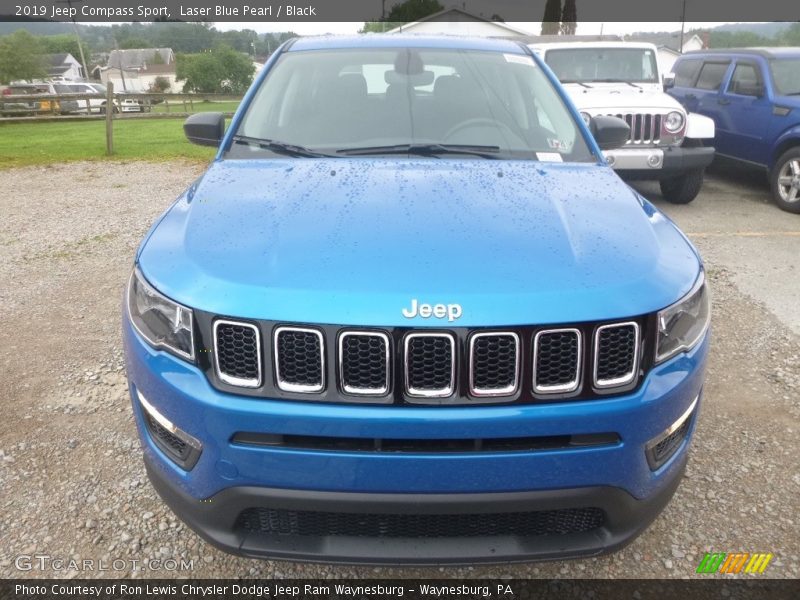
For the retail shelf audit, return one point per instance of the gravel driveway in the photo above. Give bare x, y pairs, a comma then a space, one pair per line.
73, 484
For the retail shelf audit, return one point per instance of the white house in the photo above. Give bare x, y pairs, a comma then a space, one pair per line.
137, 69
454, 21
63, 66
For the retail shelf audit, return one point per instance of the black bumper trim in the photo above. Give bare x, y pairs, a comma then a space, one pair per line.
677, 160
214, 519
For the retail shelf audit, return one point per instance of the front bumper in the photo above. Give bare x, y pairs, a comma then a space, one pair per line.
229, 478
656, 163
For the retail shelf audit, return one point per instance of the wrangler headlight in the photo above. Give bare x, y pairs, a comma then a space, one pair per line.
587, 118
682, 325
162, 322
673, 122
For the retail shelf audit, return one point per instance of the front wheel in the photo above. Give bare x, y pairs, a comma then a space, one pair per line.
682, 188
785, 181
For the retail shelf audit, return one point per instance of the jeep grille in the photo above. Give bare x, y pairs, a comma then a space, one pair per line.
419, 366
645, 128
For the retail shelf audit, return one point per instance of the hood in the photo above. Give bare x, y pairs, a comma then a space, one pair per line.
621, 98
353, 241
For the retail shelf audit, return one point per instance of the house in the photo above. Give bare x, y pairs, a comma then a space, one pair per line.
136, 70
63, 66
669, 46
454, 21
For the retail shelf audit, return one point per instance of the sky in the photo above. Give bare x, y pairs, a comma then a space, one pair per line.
584, 28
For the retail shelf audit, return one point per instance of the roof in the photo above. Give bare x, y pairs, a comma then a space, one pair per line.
586, 45
56, 60
777, 52
671, 40
457, 15
394, 40
548, 39
137, 58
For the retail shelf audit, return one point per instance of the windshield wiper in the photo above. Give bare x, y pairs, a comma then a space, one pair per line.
630, 83
434, 150
281, 147
586, 85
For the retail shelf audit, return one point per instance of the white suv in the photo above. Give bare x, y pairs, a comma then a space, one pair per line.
96, 105
623, 79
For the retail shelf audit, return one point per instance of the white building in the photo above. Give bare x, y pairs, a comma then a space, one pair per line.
136, 70
63, 66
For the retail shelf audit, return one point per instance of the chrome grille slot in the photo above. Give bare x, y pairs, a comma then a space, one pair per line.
493, 364
556, 361
364, 363
237, 353
430, 363
616, 354
299, 359
645, 128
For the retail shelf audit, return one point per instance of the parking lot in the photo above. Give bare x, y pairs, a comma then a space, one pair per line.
72, 477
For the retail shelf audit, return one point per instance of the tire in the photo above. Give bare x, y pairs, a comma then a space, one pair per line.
785, 181
683, 188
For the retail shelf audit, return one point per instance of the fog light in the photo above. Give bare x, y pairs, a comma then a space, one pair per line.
654, 160
610, 159
183, 448
661, 448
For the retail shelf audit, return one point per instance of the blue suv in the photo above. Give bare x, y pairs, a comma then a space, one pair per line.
410, 315
753, 95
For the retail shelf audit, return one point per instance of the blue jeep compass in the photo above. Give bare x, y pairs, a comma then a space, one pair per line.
409, 315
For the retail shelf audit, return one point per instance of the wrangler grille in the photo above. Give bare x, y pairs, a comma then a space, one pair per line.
645, 128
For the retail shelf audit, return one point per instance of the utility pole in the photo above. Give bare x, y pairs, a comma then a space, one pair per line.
77, 36
683, 25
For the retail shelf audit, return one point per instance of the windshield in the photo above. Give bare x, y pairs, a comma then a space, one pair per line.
380, 101
99, 88
631, 65
786, 75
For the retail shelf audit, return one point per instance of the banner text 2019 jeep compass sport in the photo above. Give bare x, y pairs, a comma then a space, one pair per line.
409, 315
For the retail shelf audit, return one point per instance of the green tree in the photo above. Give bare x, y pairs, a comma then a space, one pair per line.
63, 43
223, 70
791, 36
21, 57
379, 26
134, 43
413, 10
569, 18
551, 19
160, 85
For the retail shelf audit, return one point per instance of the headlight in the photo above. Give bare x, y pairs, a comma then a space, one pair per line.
673, 122
162, 322
587, 118
683, 324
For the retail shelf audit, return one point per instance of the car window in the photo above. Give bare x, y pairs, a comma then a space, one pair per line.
634, 65
786, 75
711, 75
744, 78
686, 72
340, 100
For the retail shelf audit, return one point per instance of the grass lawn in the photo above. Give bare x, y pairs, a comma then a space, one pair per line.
53, 142
197, 106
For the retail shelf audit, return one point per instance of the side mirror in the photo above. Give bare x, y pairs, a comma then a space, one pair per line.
668, 81
205, 129
609, 132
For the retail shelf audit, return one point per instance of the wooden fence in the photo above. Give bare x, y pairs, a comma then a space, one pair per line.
126, 105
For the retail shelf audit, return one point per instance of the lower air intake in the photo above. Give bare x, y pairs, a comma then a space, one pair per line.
323, 524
